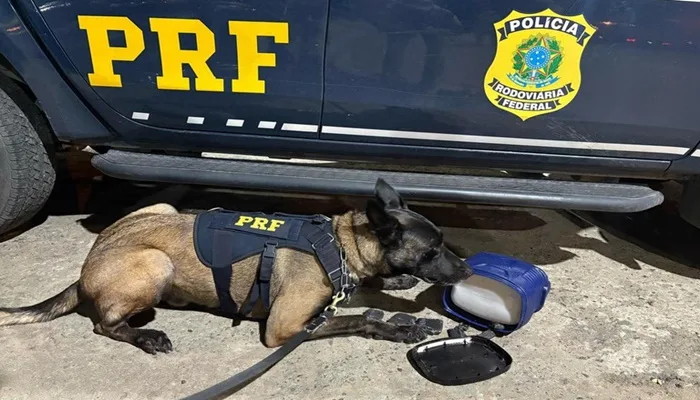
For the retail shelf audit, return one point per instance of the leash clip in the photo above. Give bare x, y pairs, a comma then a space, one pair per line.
340, 296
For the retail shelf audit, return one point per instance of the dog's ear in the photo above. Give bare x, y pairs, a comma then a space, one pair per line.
387, 196
384, 225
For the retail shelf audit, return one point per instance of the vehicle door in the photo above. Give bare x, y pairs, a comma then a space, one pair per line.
586, 77
191, 68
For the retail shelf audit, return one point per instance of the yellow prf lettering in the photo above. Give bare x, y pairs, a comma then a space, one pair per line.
259, 223
173, 57
242, 220
102, 54
274, 224
249, 59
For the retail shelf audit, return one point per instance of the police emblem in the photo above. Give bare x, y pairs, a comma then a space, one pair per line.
536, 67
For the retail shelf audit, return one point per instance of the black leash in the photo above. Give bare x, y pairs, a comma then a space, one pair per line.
233, 384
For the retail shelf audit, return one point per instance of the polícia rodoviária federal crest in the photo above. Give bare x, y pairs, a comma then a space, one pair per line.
536, 69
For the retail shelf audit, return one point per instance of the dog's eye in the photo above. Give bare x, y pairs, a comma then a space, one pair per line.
428, 255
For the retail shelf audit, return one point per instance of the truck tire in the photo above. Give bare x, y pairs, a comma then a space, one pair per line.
27, 175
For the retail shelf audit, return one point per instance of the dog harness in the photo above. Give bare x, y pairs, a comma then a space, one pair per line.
223, 237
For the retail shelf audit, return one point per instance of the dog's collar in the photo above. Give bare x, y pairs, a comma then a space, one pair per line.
348, 283
331, 254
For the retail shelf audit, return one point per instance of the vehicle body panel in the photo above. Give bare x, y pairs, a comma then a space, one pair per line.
399, 66
422, 66
293, 90
67, 114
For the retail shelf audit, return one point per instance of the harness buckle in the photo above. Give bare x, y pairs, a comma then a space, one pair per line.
323, 241
332, 275
269, 251
267, 260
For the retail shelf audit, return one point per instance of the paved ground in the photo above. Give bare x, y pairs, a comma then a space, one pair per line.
621, 322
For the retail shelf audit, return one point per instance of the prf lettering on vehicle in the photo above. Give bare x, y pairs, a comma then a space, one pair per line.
173, 57
536, 69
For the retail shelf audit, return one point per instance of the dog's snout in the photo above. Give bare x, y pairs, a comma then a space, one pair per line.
467, 270
456, 261
460, 269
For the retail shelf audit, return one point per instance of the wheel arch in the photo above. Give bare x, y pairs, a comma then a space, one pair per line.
25, 63
18, 90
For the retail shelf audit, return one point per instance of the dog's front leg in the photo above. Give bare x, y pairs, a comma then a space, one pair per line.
401, 282
363, 326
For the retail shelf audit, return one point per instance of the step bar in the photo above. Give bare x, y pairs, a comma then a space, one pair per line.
586, 196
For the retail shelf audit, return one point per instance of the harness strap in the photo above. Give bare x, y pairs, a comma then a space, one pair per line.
223, 248
261, 287
314, 234
314, 219
327, 252
266, 263
322, 244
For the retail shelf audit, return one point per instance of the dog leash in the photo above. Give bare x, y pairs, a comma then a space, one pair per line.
233, 384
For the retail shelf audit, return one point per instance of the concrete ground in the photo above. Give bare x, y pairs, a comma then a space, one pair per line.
621, 322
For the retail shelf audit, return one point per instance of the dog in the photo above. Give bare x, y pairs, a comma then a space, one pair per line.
148, 258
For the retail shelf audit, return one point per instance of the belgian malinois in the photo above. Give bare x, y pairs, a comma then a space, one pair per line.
148, 257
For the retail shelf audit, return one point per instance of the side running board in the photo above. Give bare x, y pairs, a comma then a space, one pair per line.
589, 196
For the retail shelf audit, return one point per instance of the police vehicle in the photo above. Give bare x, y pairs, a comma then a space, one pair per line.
521, 99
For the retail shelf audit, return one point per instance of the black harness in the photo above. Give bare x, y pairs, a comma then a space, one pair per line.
223, 237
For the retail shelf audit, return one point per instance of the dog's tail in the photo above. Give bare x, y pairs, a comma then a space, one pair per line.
60, 304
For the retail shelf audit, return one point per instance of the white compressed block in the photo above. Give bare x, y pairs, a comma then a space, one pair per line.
488, 299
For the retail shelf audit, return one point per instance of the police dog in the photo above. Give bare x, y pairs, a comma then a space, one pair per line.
148, 257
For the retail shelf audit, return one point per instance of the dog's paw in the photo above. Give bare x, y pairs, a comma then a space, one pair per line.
152, 341
373, 314
402, 319
432, 326
406, 282
410, 334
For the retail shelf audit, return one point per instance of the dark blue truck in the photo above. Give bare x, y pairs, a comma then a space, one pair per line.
577, 104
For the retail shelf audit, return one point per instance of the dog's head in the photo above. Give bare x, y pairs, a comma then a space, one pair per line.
412, 244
